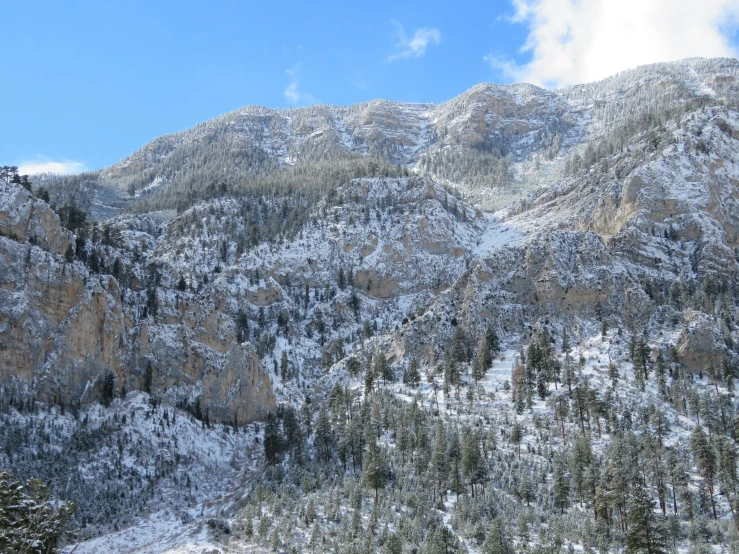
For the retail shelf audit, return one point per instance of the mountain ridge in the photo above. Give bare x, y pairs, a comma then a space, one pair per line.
511, 142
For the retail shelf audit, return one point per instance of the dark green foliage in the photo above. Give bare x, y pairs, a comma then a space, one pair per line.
242, 327
284, 366
516, 436
29, 521
645, 533
459, 345
393, 544
72, 217
273, 439
411, 376
492, 342
43, 194
148, 378
355, 305
107, 389
382, 368
374, 472
560, 485
496, 541
353, 366
324, 435
152, 302
369, 377
93, 261
9, 173
69, 254
705, 458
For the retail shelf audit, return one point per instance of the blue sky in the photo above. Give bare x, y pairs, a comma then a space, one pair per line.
89, 82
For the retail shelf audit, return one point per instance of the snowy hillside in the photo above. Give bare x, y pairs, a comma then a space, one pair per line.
328, 345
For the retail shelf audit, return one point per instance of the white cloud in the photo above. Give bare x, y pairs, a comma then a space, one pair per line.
415, 46
42, 164
292, 94
577, 41
357, 79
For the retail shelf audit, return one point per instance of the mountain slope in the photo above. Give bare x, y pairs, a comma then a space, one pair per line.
418, 373
494, 142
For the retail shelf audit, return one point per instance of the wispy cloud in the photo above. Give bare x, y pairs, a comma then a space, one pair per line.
292, 94
358, 81
407, 47
43, 164
572, 41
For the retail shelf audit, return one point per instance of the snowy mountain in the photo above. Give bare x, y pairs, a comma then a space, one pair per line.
304, 330
494, 143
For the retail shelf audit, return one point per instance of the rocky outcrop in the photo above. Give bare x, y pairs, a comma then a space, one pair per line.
645, 242
62, 329
700, 345
59, 328
27, 219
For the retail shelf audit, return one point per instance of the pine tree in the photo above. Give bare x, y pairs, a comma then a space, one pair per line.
272, 439
310, 512
516, 436
645, 533
569, 375
459, 349
411, 376
492, 342
496, 541
69, 254
439, 463
324, 434
382, 368
374, 473
283, 366
542, 385
148, 378
727, 463
483, 360
353, 366
107, 389
560, 485
355, 305
705, 459
314, 539
393, 544
29, 521
473, 464
369, 378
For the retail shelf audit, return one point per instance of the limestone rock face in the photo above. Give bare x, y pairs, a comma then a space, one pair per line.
28, 219
59, 328
62, 329
197, 355
699, 345
647, 242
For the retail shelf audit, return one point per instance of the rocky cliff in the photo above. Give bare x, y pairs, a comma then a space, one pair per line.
644, 241
63, 328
